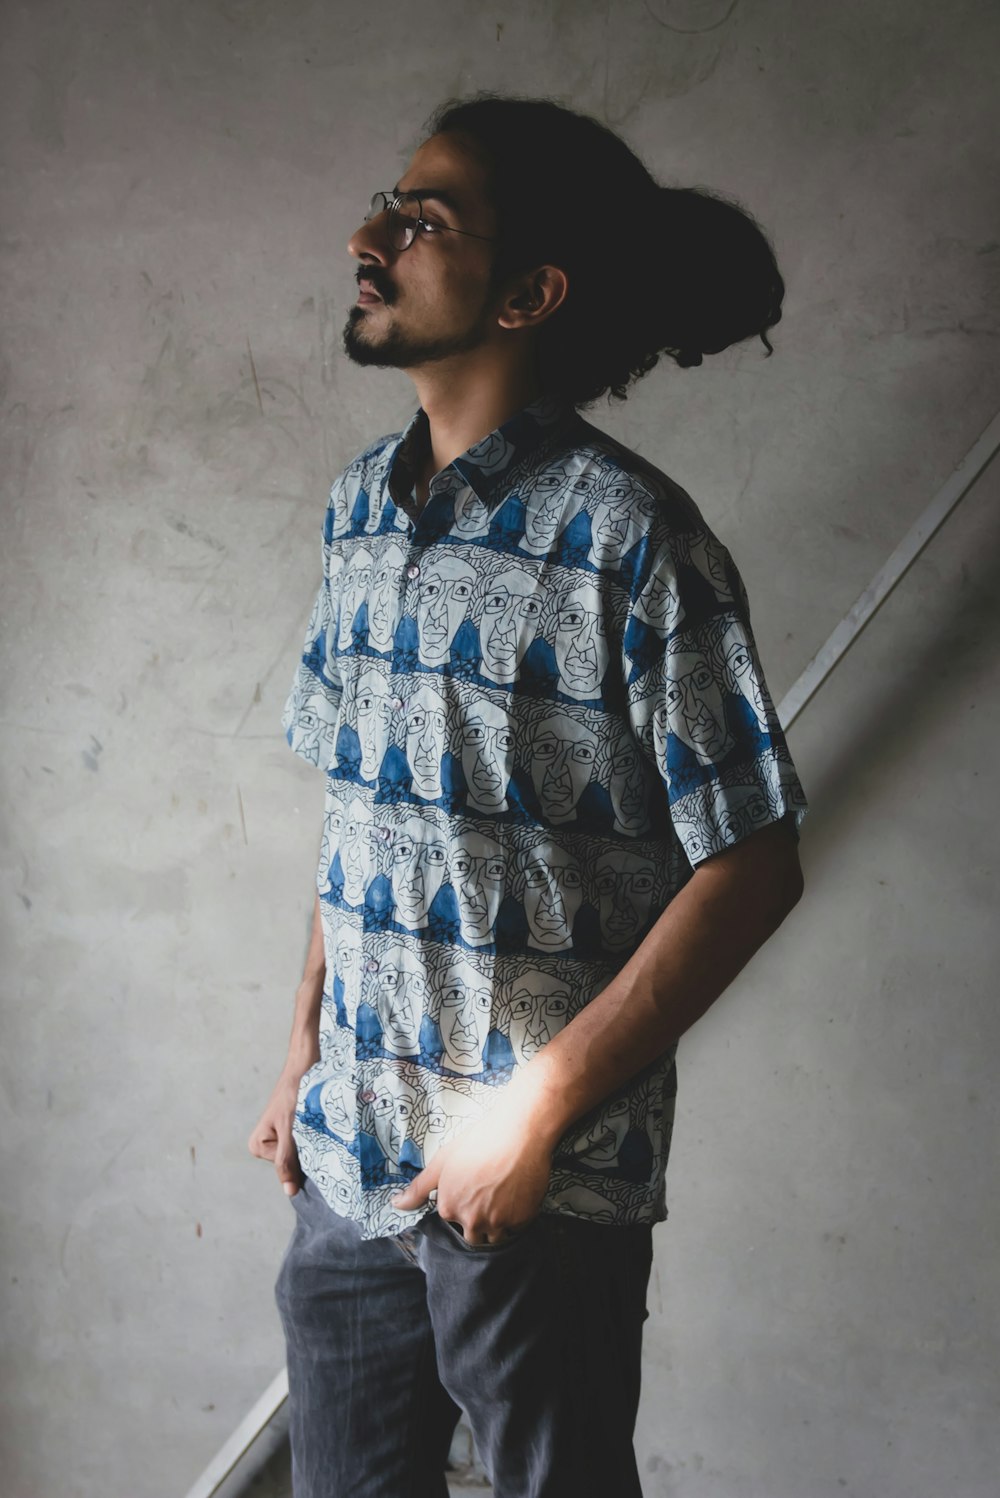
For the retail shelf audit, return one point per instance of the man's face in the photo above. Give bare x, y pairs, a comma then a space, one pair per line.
436, 296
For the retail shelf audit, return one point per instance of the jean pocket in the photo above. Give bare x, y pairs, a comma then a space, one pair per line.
454, 1231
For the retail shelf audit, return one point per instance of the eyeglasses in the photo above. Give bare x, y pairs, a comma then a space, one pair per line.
406, 217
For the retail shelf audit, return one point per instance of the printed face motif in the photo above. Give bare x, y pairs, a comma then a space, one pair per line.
392, 1109
419, 862
345, 495
355, 581
709, 556
487, 756
627, 787
744, 678
580, 644
657, 605
372, 703
315, 726
539, 1006
341, 1051
553, 893
694, 708
613, 522
426, 741
605, 1137
511, 611
355, 850
383, 603
446, 585
445, 1111
556, 498
347, 963
562, 761
400, 990
337, 1099
476, 872
464, 1018
625, 886
472, 517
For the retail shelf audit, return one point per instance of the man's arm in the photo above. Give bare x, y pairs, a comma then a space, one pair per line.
494, 1175
272, 1135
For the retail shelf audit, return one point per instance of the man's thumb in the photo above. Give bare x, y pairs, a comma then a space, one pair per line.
289, 1171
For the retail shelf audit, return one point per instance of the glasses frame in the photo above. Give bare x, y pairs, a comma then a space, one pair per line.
390, 204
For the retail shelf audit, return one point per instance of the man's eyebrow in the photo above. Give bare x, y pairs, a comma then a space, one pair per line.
437, 194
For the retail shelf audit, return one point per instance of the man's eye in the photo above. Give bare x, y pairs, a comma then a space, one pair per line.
428, 226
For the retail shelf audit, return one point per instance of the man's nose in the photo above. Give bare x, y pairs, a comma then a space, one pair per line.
370, 241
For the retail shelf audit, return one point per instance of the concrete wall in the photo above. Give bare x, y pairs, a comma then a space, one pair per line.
183, 176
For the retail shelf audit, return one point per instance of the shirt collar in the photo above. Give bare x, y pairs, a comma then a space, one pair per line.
485, 466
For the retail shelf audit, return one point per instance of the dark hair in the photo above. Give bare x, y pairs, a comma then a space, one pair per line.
652, 270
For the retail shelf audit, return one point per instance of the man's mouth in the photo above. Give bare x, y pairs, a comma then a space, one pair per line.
367, 294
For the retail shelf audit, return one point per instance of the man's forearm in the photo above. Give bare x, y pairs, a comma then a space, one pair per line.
708, 932
303, 1047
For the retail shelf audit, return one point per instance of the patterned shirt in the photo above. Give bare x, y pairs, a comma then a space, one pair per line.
538, 706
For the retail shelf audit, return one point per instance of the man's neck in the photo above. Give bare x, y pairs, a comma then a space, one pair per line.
463, 407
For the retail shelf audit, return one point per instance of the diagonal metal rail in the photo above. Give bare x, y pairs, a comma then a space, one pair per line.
861, 612
868, 603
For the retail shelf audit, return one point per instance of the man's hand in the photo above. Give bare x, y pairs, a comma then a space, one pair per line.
272, 1136
490, 1180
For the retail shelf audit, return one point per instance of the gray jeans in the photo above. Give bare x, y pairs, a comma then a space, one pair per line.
537, 1339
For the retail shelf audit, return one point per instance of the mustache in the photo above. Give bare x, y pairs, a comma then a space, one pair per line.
375, 280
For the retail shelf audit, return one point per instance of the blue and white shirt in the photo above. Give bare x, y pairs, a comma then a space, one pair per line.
538, 707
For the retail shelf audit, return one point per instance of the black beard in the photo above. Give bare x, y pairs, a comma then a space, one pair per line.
397, 351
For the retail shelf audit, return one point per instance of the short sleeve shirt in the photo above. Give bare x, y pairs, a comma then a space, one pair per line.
538, 707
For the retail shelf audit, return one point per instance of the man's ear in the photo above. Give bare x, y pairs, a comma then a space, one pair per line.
533, 297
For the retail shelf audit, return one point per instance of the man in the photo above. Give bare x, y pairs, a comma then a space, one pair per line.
561, 817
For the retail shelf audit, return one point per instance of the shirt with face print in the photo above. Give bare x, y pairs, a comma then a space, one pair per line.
538, 706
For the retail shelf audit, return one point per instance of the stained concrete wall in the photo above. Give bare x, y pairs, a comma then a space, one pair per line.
182, 178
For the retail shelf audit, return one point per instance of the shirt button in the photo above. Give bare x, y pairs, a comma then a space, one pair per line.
371, 966
397, 703
385, 834
413, 570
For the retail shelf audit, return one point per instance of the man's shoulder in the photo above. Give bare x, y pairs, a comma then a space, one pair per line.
616, 476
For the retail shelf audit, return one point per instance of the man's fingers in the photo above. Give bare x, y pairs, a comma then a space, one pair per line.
420, 1188
286, 1163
